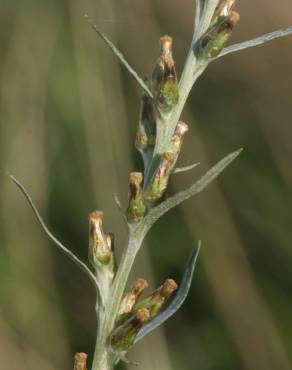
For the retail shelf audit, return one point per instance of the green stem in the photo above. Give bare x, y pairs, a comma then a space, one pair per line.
103, 358
167, 123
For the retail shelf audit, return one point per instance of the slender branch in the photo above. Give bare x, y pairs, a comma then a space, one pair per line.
137, 233
106, 326
183, 195
256, 41
64, 249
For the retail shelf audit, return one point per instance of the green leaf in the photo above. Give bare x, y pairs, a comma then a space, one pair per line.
177, 301
256, 41
64, 249
178, 198
127, 361
185, 168
120, 56
118, 203
138, 232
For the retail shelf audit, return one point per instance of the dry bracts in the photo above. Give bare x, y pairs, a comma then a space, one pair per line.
100, 244
134, 314
130, 299
80, 360
136, 209
159, 182
124, 336
146, 134
224, 21
223, 9
110, 239
155, 302
177, 140
164, 79
157, 186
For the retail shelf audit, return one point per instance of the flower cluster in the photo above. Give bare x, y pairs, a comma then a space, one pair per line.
147, 189
135, 313
145, 193
219, 31
80, 360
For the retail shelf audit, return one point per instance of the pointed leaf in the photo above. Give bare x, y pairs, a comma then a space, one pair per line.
177, 301
127, 361
178, 198
138, 232
64, 249
186, 168
120, 56
256, 41
118, 203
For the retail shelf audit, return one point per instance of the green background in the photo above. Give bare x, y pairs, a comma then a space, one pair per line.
68, 118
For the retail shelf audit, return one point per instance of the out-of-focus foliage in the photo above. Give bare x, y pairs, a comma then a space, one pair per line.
68, 118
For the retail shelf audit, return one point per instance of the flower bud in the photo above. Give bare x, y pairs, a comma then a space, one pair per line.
100, 244
164, 80
124, 336
80, 360
213, 41
177, 140
158, 298
158, 185
136, 209
146, 134
110, 239
223, 9
130, 299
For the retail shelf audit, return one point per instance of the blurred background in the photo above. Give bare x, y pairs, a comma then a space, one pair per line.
68, 118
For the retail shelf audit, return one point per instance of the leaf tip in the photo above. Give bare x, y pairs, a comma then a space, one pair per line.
14, 179
199, 246
236, 153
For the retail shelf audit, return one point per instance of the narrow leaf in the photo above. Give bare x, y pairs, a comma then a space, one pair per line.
126, 361
178, 198
120, 56
118, 203
64, 249
179, 298
256, 41
186, 168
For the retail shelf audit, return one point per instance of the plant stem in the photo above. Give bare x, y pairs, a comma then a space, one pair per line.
167, 123
103, 358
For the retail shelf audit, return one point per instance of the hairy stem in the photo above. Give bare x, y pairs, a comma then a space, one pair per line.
103, 358
167, 123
